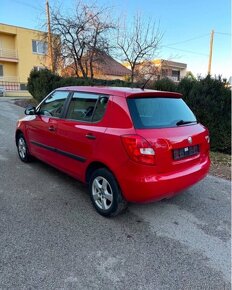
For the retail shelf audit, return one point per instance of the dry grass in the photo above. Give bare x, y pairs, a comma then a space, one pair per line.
220, 158
220, 165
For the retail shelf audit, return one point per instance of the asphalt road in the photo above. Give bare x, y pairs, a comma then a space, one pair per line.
51, 237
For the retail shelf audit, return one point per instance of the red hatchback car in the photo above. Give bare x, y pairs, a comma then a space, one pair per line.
128, 145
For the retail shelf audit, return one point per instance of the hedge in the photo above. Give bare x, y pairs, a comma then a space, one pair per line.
41, 83
210, 100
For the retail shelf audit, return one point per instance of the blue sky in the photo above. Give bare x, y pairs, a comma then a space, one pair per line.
186, 26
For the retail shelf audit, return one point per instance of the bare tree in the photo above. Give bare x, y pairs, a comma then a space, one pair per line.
137, 42
146, 71
98, 42
82, 34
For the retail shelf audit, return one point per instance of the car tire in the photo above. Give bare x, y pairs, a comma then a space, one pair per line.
105, 193
22, 147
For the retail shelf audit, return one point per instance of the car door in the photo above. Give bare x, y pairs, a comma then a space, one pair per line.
80, 132
41, 130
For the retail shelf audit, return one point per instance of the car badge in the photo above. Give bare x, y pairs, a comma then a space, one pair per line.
190, 140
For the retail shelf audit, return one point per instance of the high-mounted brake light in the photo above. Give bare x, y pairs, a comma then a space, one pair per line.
139, 149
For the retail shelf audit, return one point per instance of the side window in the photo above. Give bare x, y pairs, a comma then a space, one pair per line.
100, 108
86, 107
53, 105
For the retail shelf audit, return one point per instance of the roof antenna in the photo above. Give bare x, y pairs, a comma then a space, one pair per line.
144, 85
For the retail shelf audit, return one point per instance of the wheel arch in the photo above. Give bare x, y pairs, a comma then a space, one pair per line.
17, 133
119, 203
94, 166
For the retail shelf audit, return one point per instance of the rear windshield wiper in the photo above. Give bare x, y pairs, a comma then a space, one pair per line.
182, 122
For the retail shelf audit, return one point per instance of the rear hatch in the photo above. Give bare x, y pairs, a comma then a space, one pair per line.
171, 128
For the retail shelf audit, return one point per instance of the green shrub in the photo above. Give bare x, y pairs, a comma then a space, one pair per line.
186, 85
210, 100
164, 85
42, 82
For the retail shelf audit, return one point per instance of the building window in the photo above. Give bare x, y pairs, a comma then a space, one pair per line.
39, 47
1, 70
176, 74
39, 68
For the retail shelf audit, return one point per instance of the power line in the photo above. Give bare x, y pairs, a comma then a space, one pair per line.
223, 33
27, 4
188, 40
188, 51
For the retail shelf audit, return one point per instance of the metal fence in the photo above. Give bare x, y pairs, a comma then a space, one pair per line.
12, 86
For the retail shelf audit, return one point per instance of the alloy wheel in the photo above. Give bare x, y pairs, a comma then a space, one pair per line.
22, 148
102, 193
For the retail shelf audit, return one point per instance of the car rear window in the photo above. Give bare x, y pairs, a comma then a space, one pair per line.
155, 112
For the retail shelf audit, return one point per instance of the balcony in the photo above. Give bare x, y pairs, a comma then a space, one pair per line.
9, 55
10, 83
9, 79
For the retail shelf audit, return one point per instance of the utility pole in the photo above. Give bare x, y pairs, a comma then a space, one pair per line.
49, 36
210, 52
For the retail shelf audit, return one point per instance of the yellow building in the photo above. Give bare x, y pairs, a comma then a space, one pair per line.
21, 50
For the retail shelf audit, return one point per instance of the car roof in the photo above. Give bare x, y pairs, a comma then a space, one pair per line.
121, 91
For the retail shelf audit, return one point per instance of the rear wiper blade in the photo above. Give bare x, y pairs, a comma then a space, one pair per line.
182, 122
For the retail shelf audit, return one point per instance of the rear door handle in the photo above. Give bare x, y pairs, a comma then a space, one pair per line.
90, 136
51, 128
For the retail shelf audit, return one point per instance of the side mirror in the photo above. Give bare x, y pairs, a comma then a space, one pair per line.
30, 110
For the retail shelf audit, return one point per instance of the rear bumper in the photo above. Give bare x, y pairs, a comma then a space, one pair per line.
150, 187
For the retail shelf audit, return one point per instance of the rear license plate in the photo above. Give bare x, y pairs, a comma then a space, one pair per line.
185, 152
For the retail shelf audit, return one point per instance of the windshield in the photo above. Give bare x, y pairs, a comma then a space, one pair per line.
160, 113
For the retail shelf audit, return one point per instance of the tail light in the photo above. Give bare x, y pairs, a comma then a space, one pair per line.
139, 149
207, 146
207, 138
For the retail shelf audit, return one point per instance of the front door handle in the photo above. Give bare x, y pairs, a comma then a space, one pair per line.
90, 136
51, 128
